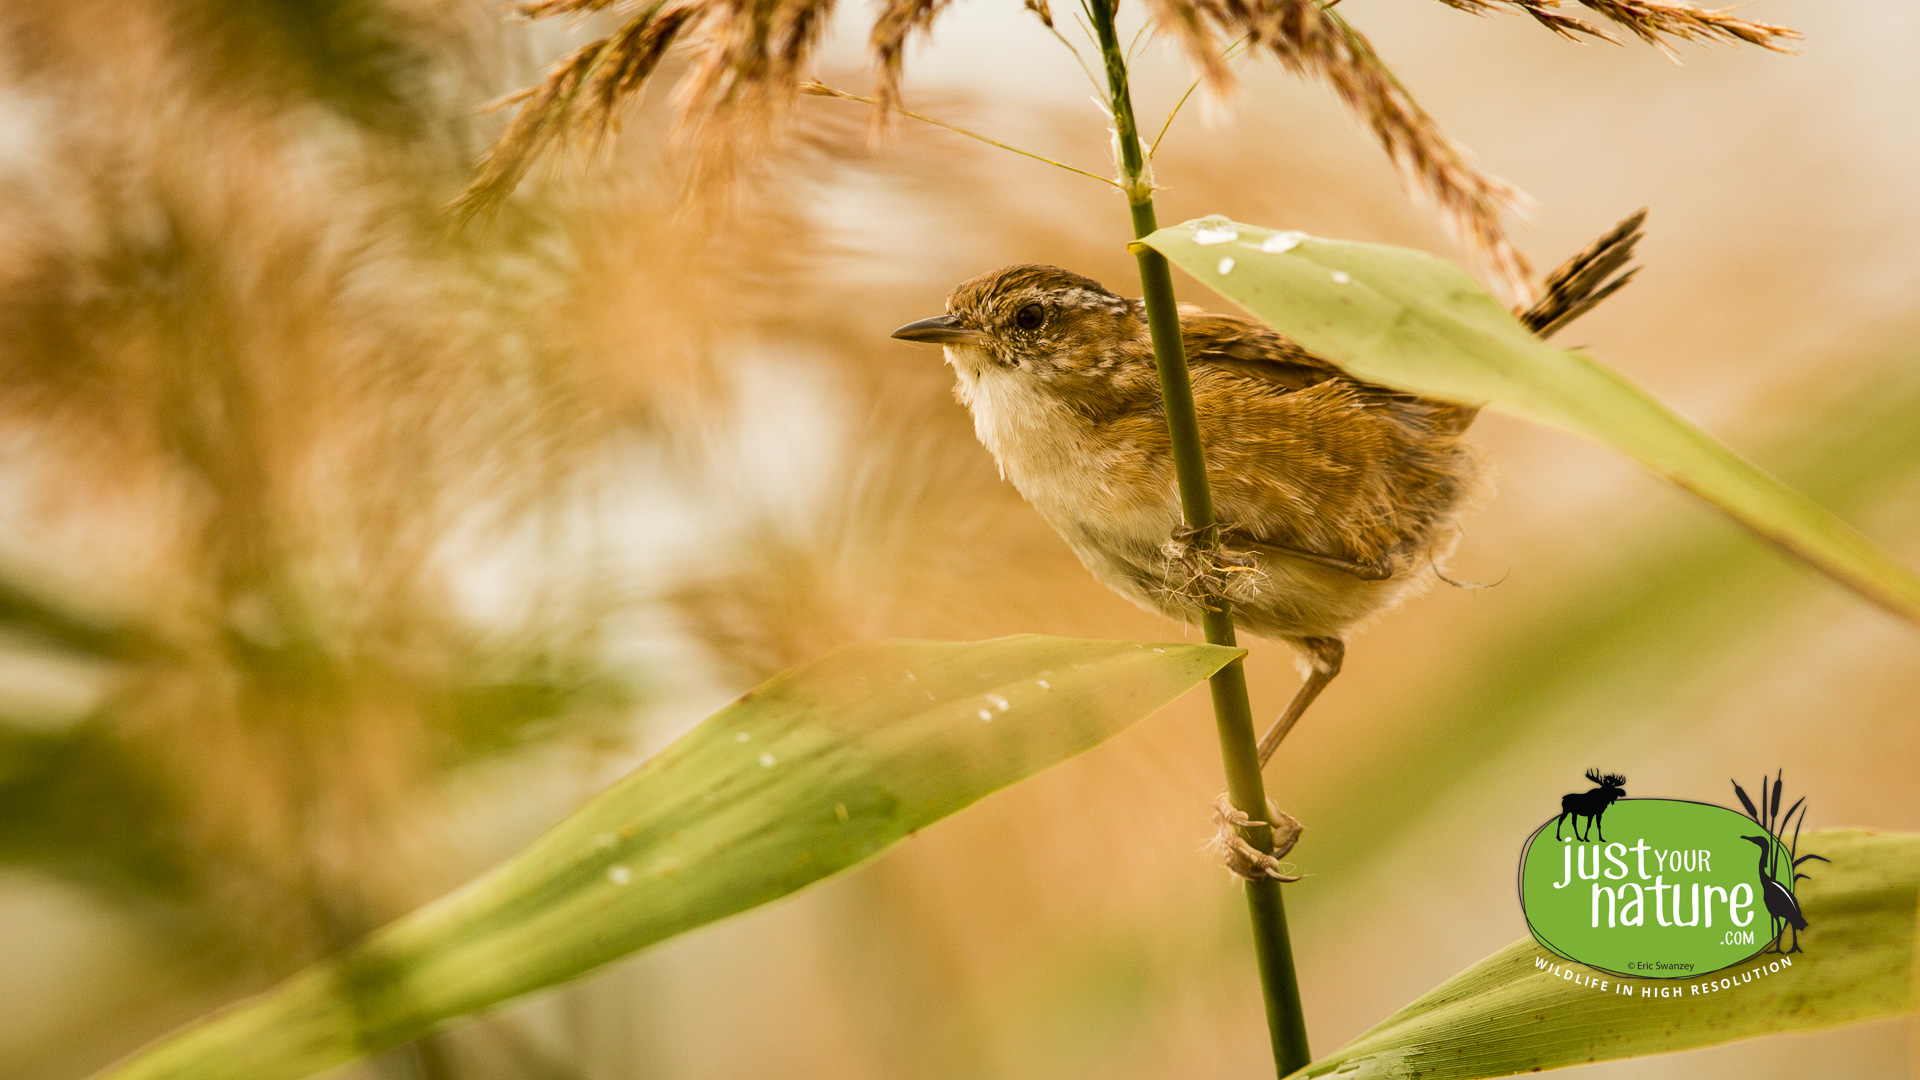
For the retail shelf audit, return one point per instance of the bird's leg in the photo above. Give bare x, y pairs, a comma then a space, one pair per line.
1184, 533
1377, 570
1325, 656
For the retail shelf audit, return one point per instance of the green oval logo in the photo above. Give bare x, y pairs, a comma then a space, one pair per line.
1654, 888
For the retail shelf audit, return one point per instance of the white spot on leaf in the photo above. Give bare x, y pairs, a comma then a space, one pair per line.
987, 716
618, 874
739, 736
1340, 277
1214, 230
999, 702
766, 761
1281, 242
1226, 265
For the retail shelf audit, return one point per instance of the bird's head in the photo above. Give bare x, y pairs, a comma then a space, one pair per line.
1038, 325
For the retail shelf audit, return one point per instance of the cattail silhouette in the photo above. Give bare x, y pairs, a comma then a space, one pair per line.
1783, 906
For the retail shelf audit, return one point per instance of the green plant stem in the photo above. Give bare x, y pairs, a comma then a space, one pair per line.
1232, 711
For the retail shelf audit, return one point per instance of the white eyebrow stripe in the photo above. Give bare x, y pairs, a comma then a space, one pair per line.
1087, 298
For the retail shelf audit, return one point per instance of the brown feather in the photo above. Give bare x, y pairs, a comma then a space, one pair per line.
1589, 277
1249, 349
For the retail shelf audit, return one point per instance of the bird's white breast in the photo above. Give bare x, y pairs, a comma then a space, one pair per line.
1100, 494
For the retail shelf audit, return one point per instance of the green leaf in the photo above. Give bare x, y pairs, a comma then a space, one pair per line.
1516, 1011
814, 771
1407, 320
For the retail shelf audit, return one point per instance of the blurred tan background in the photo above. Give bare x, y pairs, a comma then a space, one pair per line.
342, 553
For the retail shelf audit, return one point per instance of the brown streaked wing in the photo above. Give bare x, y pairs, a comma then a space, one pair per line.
1247, 348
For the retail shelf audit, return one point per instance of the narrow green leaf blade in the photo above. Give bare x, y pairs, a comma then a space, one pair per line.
1517, 1011
1407, 320
812, 772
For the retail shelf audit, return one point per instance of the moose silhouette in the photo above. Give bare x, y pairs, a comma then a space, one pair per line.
1590, 805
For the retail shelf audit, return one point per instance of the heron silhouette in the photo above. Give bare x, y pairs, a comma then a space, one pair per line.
1781, 905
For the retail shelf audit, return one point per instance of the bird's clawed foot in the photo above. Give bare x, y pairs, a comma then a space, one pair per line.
1241, 857
1186, 534
1198, 567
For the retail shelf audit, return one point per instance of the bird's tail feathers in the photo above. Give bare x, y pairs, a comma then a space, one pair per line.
1597, 272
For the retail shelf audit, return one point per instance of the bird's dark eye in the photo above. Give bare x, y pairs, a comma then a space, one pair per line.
1030, 317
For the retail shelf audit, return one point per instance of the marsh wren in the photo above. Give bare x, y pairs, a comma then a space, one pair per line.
1337, 499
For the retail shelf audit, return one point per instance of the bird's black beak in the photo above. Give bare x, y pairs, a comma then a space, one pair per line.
939, 330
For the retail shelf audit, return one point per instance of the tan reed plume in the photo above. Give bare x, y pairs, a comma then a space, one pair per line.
1312, 41
582, 95
1648, 20
898, 19
748, 57
1652, 21
1544, 12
